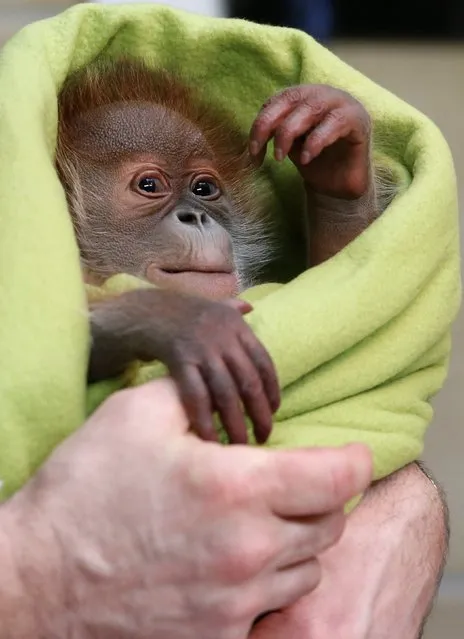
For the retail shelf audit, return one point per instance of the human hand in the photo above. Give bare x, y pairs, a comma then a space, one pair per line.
135, 528
396, 536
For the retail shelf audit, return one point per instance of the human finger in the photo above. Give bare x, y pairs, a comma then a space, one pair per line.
306, 537
313, 481
284, 587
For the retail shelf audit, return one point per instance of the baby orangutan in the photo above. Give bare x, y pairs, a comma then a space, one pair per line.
161, 186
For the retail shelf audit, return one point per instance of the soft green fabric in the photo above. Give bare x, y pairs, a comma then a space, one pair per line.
361, 343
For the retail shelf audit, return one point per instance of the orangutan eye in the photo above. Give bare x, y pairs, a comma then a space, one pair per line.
205, 188
150, 185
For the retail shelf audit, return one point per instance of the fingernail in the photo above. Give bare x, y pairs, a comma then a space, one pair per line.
254, 147
279, 156
275, 405
261, 438
305, 157
363, 464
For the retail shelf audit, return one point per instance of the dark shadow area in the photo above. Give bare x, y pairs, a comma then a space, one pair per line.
426, 20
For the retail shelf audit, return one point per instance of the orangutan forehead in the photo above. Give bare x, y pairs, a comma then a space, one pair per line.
121, 129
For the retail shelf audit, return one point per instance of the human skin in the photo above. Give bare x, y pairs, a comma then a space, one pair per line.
134, 528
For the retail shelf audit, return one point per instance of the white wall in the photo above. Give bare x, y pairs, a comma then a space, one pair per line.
205, 7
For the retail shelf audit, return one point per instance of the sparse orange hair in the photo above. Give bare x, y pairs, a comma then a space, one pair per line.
125, 80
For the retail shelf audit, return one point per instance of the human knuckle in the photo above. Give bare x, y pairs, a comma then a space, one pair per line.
231, 564
229, 488
262, 549
251, 553
211, 485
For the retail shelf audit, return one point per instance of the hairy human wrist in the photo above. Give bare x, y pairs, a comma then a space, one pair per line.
31, 603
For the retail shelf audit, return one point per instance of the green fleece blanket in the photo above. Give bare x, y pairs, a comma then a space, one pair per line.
361, 343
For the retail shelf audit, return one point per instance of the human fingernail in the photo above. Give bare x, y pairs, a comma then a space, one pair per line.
279, 156
361, 458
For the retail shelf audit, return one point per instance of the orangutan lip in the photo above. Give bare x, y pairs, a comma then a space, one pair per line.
172, 271
206, 282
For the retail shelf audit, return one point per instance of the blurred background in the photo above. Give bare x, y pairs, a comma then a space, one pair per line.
417, 51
